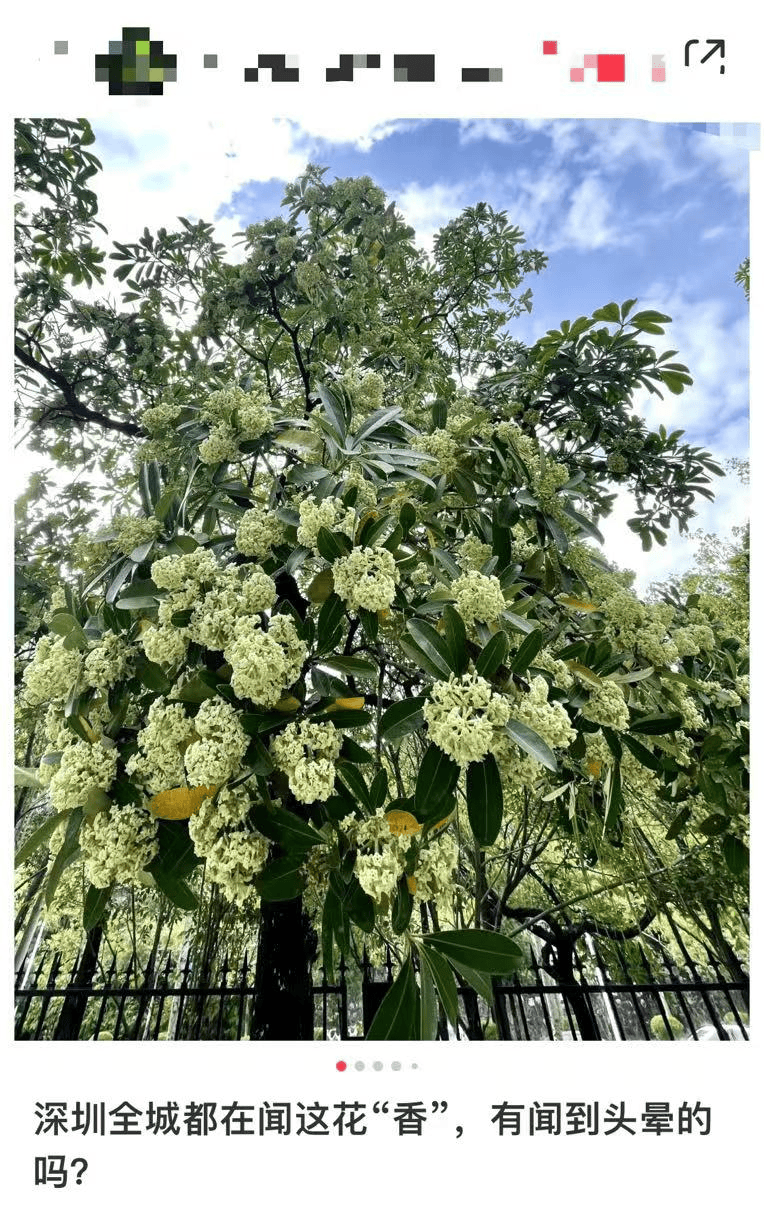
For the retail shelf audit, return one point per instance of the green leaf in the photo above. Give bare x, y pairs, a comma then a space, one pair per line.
26, 778
176, 854
351, 665
435, 782
610, 313
141, 594
481, 983
346, 718
492, 656
478, 949
352, 751
736, 855
714, 825
678, 823
65, 855
444, 980
176, 890
456, 640
613, 796
67, 626
530, 742
643, 754
394, 1020
401, 719
527, 652
355, 781
403, 902
332, 544
39, 836
286, 828
485, 800
96, 902
428, 649
428, 1006
655, 724
282, 879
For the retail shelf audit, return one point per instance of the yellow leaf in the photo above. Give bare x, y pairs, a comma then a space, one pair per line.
287, 704
585, 673
442, 824
346, 703
180, 803
577, 603
411, 884
91, 734
594, 767
402, 823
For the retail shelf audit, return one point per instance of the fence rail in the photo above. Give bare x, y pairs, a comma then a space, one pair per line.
596, 1004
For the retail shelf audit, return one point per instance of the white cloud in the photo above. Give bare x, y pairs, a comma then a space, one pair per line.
200, 165
493, 129
587, 225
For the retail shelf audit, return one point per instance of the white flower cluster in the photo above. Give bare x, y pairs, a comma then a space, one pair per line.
462, 716
220, 446
111, 661
247, 411
548, 719
164, 645
236, 593
159, 764
691, 640
216, 755
607, 706
307, 752
442, 447
228, 809
478, 598
328, 514
381, 855
117, 845
265, 662
176, 572
134, 531
743, 686
83, 767
558, 669
258, 532
234, 416
158, 419
234, 854
467, 419
233, 861
720, 696
472, 553
436, 870
366, 578
366, 388
310, 279
366, 493
52, 672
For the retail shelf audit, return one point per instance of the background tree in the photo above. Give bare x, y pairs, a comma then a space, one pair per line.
345, 651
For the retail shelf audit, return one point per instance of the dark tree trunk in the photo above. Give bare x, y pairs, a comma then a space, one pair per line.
75, 1004
560, 965
286, 950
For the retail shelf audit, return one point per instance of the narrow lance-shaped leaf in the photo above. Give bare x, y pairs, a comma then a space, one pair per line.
485, 800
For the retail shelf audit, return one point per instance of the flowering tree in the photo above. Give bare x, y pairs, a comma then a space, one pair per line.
346, 652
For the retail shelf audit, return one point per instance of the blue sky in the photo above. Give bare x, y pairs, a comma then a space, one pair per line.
623, 209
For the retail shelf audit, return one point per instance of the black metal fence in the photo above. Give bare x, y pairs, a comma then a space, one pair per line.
642, 996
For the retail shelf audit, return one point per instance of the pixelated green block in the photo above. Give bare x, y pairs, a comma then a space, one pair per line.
156, 74
142, 48
128, 75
